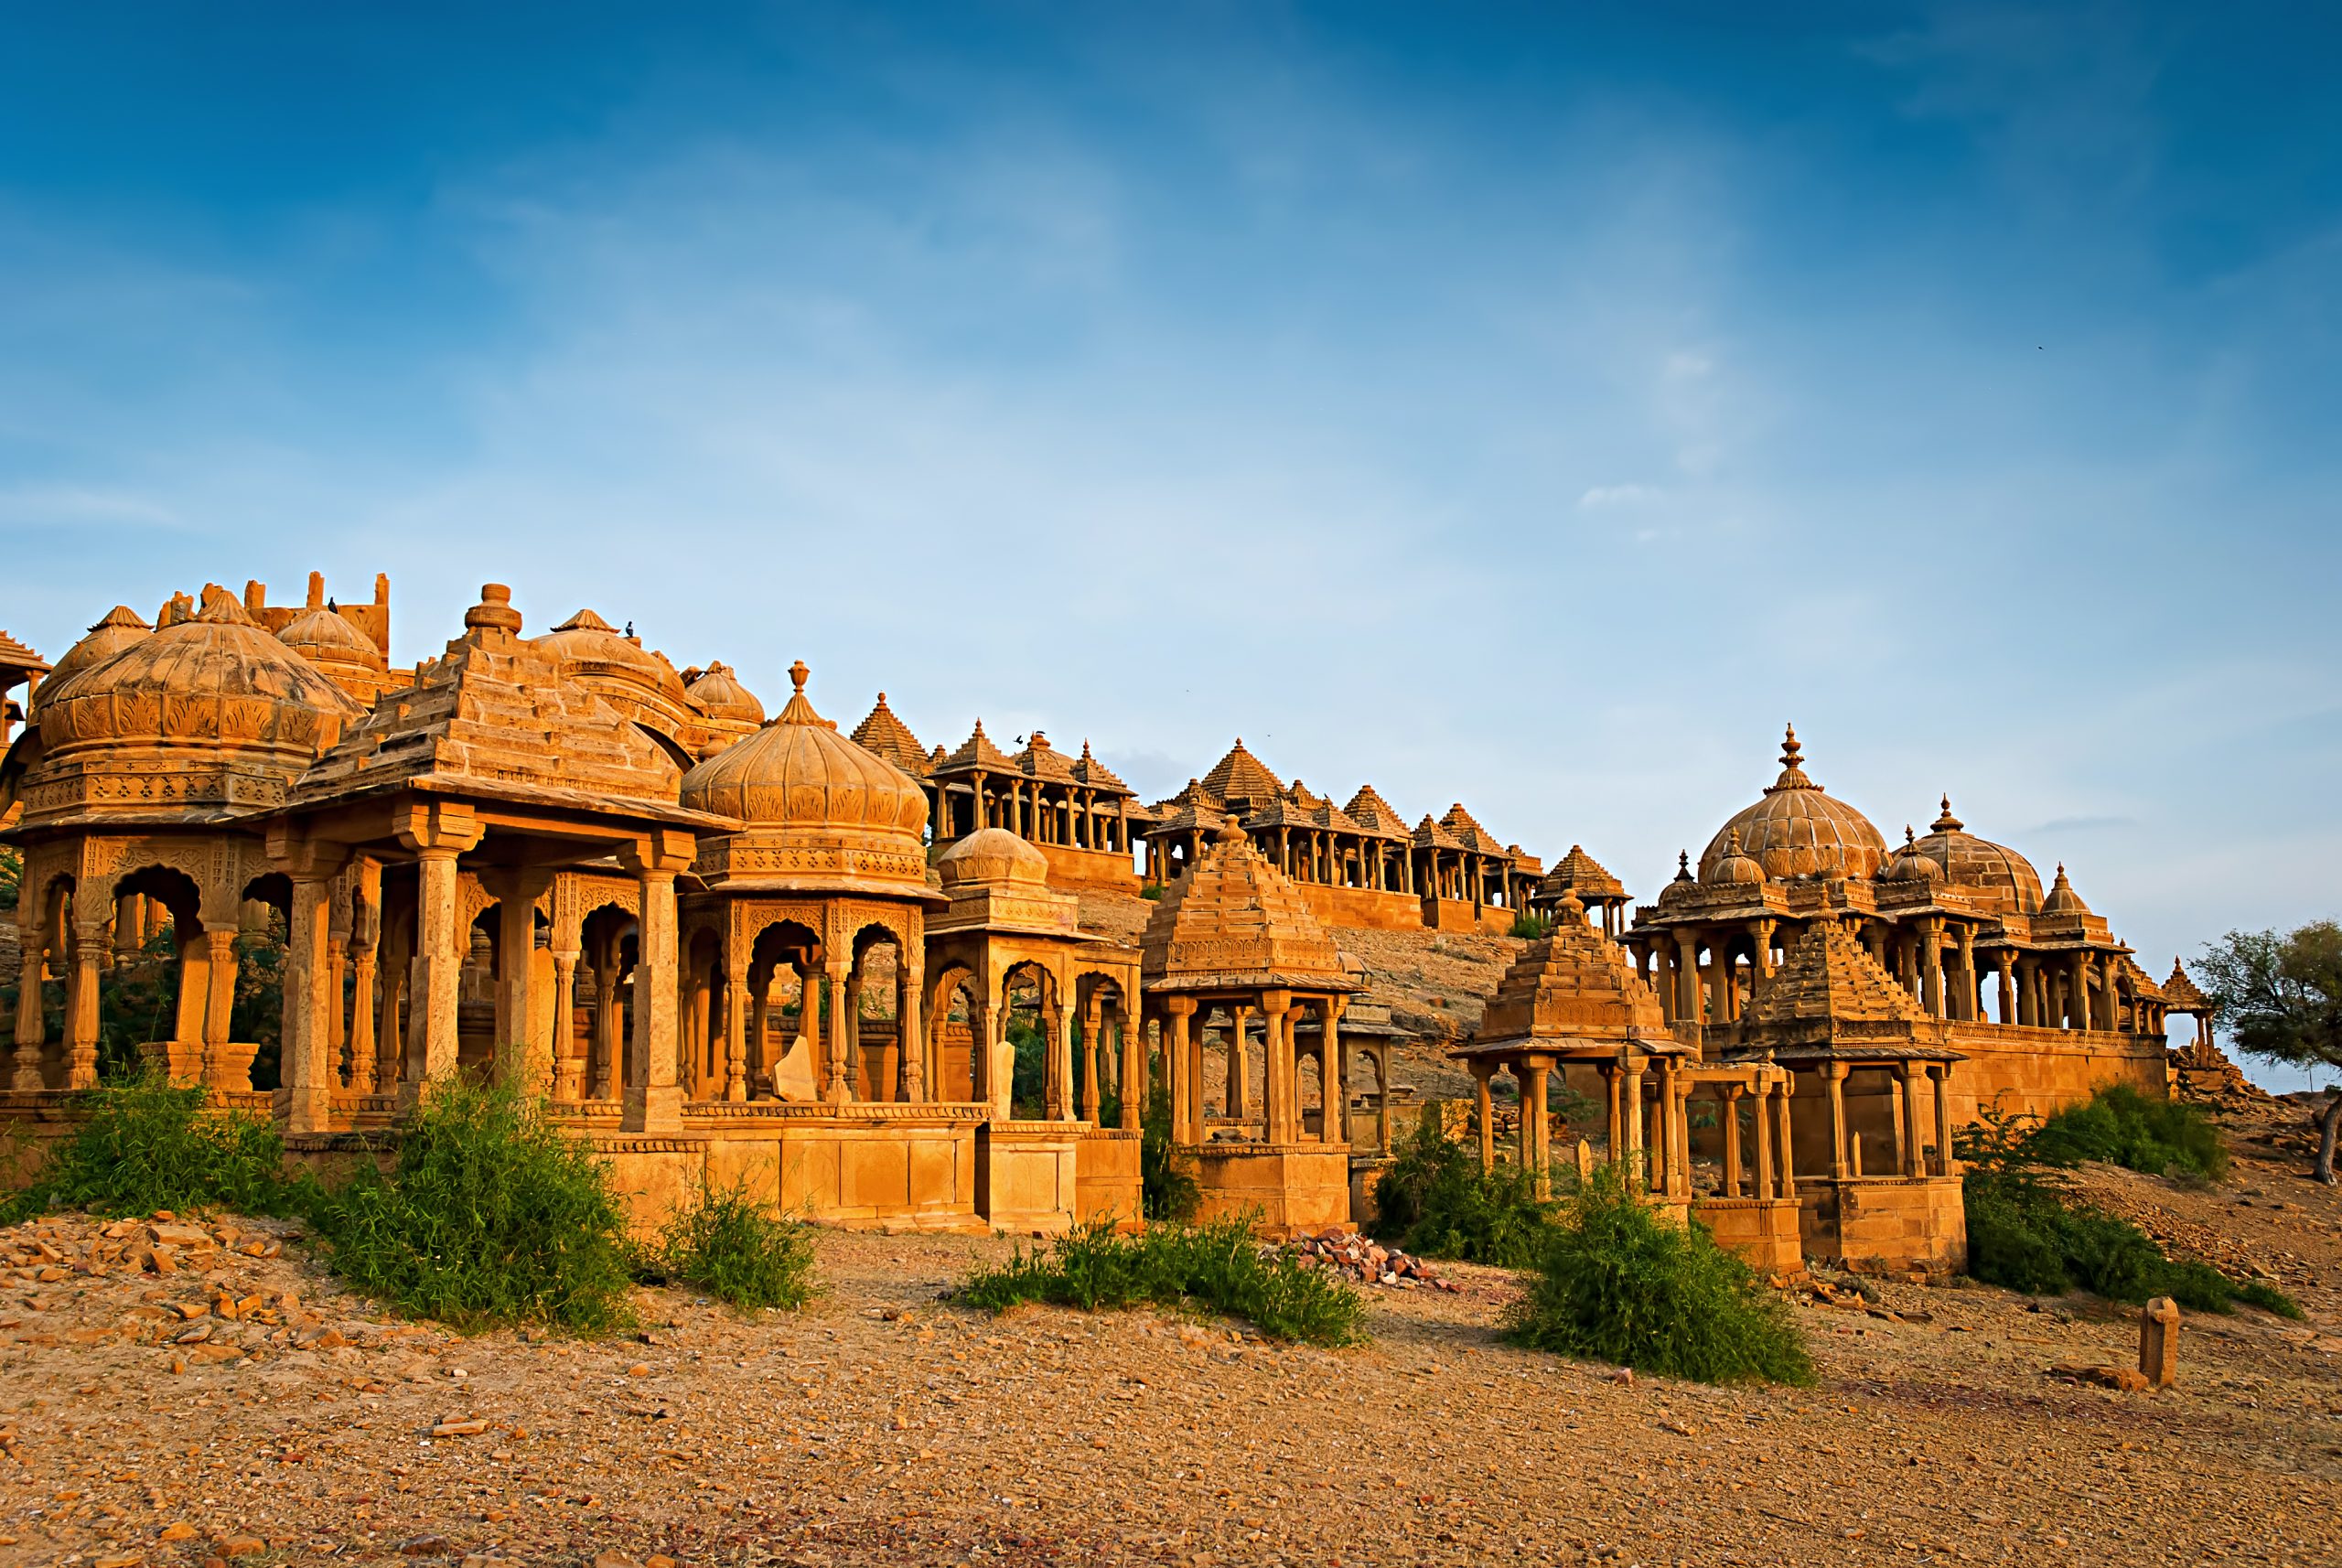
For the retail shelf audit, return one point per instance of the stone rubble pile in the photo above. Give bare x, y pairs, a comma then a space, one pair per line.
1365, 1260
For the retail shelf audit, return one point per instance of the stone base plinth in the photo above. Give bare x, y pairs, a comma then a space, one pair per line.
1363, 908
1284, 1187
1074, 870
1027, 1175
1107, 1184
1765, 1231
1885, 1224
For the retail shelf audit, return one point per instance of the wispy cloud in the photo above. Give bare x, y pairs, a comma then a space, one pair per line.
1602, 496
50, 506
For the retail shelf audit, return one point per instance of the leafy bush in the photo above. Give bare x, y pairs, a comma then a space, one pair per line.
1617, 1282
491, 1215
2028, 1234
1437, 1202
1152, 892
1167, 1188
1529, 925
1217, 1266
728, 1246
2120, 1126
146, 1145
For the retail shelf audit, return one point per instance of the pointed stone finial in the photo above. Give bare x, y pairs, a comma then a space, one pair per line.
1910, 840
1789, 747
882, 699
1947, 822
1682, 865
797, 671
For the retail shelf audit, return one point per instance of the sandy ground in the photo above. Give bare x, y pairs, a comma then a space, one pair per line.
885, 1425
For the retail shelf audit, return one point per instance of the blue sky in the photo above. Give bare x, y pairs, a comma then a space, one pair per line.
1531, 406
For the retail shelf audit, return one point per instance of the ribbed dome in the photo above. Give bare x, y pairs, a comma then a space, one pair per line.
216, 681
122, 627
587, 645
991, 856
719, 695
1734, 865
323, 636
1911, 863
2063, 899
1682, 886
1991, 872
799, 772
1798, 830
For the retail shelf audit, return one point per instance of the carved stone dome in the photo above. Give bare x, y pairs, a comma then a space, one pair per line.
589, 646
798, 772
1798, 830
1733, 866
323, 636
215, 682
2063, 899
1991, 872
991, 856
1912, 863
1682, 886
719, 695
122, 627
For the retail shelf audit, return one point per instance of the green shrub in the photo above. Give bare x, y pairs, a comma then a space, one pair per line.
1152, 892
1217, 1266
145, 1145
2028, 1234
1436, 1201
1167, 1189
1617, 1282
1529, 925
491, 1215
2121, 1126
728, 1246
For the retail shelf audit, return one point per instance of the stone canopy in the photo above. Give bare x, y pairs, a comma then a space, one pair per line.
1572, 985
1236, 922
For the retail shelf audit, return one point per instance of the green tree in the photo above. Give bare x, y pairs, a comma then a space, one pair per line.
2280, 999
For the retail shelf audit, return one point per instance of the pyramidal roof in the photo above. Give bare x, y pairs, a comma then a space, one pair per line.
495, 713
1043, 761
977, 752
1573, 982
882, 732
1234, 923
1828, 978
1376, 815
15, 655
1581, 873
1242, 777
1468, 832
1097, 775
2181, 992
1429, 834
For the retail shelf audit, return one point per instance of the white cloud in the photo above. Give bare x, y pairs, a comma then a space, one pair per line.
55, 504
1602, 496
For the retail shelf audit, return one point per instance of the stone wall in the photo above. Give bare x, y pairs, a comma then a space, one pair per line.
1286, 1187
2042, 1070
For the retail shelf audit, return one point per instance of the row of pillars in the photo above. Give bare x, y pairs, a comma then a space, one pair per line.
1280, 1079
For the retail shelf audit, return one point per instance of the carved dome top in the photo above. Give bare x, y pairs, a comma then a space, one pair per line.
215, 681
991, 856
1798, 830
2063, 899
587, 645
719, 695
1681, 887
1734, 865
122, 627
1912, 863
323, 636
1991, 872
798, 772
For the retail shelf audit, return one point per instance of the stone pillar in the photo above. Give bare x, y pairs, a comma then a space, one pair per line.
1382, 1099
1614, 1121
1284, 1075
1485, 1106
735, 1037
341, 929
1781, 1129
1835, 1074
1335, 1073
1905, 1092
1092, 1021
1761, 1184
1933, 936
1939, 1082
305, 1031
835, 1089
89, 948
1059, 1040
1728, 1096
602, 1066
2159, 1342
195, 982
2006, 959
32, 1021
910, 1032
1687, 974
654, 1102
1536, 1134
129, 924
1186, 1085
1240, 1064
568, 1068
365, 936
220, 1067
2077, 1009
440, 945
1630, 1106
523, 1057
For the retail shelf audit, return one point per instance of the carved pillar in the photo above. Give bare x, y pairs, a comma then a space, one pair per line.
523, 1057
1938, 1083
1282, 1077
195, 994
1687, 971
1535, 1134
222, 1068
910, 1036
306, 1028
1910, 1122
89, 949
1761, 1186
2006, 960
1835, 1074
1130, 1086
654, 1100
603, 1047
1186, 1076
736, 1035
32, 1021
1630, 1105
1336, 1072
1093, 1019
1483, 1105
568, 1069
1056, 1038
834, 1087
1240, 1065
1729, 1095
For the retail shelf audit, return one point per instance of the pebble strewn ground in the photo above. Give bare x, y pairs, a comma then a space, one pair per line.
884, 1426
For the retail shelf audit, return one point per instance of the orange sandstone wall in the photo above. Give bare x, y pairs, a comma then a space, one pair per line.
2042, 1070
